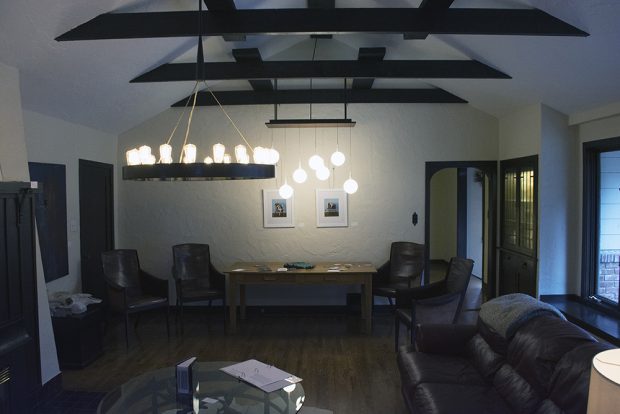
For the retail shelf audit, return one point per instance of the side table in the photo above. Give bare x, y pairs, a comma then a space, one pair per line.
79, 337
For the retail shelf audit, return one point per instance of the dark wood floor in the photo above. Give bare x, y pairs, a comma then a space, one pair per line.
342, 370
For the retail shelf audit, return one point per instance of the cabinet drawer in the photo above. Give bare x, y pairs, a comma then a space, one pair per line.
335, 278
267, 278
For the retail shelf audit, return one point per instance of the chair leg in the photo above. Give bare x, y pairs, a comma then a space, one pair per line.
126, 330
396, 333
412, 334
391, 302
182, 319
168, 321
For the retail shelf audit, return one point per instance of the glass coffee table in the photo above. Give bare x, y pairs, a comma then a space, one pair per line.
215, 393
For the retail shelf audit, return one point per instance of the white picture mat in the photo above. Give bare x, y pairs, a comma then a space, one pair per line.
270, 197
331, 208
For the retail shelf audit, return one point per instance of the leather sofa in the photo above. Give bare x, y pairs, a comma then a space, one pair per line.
542, 368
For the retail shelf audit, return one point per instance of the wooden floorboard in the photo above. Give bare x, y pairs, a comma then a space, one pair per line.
342, 370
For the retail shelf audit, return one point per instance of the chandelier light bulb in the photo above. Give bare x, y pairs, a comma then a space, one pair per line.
350, 186
299, 175
145, 154
286, 191
259, 155
165, 153
315, 162
152, 160
274, 156
208, 160
218, 153
245, 159
322, 173
240, 153
133, 156
337, 158
189, 151
227, 159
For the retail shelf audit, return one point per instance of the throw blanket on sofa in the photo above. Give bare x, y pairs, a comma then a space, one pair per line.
506, 314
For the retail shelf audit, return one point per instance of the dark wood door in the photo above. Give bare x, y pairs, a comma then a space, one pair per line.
20, 375
96, 222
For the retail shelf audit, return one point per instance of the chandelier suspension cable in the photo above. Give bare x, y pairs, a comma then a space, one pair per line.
189, 98
189, 124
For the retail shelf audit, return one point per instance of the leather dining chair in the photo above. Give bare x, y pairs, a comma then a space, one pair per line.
438, 302
403, 270
131, 289
196, 279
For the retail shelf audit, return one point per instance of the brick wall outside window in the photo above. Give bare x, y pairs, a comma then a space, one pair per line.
608, 274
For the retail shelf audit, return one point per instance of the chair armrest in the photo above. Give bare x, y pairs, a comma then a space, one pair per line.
404, 297
382, 277
443, 339
217, 278
154, 285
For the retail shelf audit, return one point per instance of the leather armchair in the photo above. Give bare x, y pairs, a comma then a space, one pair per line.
195, 277
131, 289
435, 303
403, 270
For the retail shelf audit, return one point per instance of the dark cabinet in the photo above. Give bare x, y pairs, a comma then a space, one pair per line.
20, 376
79, 337
519, 226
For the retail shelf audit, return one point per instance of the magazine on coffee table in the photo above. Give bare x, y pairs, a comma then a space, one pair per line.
263, 376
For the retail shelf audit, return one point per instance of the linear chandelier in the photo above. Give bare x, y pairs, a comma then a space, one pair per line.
142, 165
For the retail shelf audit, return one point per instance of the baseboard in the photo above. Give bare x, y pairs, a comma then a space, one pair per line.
50, 389
288, 309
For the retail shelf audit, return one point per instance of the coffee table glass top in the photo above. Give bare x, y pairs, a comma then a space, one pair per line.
216, 392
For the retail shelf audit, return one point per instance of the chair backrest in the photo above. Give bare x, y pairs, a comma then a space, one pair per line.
458, 275
191, 261
406, 260
121, 267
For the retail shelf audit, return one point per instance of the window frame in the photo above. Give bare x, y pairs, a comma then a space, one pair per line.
591, 222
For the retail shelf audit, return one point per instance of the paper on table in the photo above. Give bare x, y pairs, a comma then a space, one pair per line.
266, 377
238, 270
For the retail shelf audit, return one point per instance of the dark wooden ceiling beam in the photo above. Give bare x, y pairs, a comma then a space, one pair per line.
368, 54
404, 69
429, 5
323, 21
225, 5
324, 96
252, 55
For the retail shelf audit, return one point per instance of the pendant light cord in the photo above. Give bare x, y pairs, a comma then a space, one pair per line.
311, 93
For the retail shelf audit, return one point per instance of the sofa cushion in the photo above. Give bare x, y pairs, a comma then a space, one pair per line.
457, 398
495, 340
516, 391
483, 358
571, 378
537, 347
417, 368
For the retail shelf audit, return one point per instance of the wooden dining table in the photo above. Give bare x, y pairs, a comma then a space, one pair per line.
240, 274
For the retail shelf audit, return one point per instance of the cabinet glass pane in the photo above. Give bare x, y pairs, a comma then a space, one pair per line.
527, 219
511, 218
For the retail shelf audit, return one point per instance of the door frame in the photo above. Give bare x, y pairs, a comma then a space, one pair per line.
489, 168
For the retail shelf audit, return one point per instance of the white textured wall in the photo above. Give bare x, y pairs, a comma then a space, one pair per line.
15, 168
519, 133
53, 140
557, 205
443, 214
391, 144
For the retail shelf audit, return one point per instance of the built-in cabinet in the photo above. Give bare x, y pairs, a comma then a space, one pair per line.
518, 261
20, 377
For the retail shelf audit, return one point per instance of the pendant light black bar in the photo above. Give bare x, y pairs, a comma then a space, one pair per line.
198, 172
310, 123
472, 21
404, 69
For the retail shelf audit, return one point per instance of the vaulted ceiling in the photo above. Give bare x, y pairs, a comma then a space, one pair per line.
116, 70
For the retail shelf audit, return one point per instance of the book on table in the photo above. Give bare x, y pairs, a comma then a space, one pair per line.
263, 376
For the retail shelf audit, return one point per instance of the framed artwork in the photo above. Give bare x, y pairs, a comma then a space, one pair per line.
331, 208
277, 211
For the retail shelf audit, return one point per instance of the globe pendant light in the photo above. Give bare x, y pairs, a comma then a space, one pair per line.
322, 173
315, 162
350, 186
299, 175
286, 191
337, 157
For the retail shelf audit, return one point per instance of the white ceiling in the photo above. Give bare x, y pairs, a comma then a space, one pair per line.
87, 82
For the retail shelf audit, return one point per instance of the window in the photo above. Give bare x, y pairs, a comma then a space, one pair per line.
601, 222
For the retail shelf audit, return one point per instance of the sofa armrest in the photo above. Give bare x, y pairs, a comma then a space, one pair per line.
443, 338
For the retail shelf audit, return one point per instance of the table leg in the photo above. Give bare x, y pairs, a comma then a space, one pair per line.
242, 301
232, 304
367, 303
